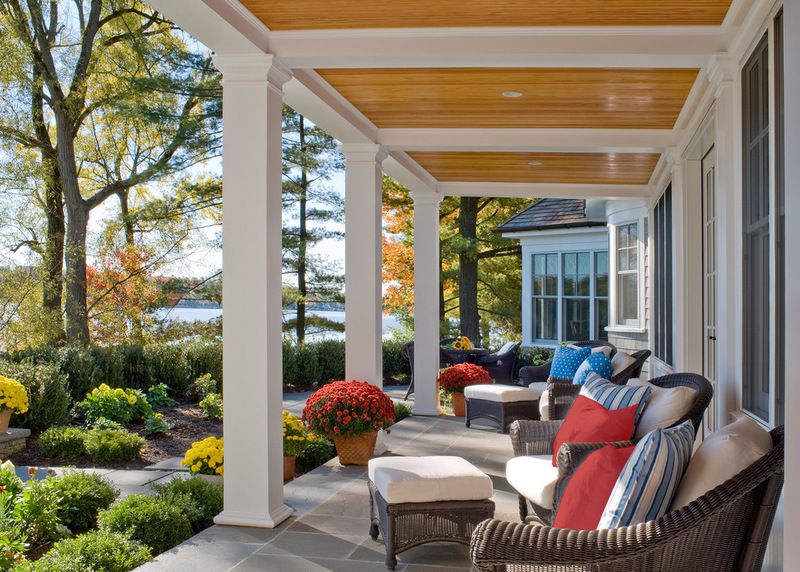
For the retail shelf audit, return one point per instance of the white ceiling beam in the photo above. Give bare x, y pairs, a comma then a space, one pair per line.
400, 166
567, 140
652, 47
543, 190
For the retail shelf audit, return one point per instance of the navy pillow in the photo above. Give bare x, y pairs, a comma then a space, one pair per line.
567, 360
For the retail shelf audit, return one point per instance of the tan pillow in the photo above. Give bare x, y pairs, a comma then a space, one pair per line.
722, 455
620, 361
665, 406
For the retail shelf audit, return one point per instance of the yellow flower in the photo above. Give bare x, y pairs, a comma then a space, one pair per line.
131, 400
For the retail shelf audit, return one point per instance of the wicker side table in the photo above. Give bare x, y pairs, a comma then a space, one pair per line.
404, 525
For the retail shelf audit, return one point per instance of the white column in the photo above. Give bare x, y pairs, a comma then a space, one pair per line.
727, 141
252, 101
791, 18
363, 263
426, 300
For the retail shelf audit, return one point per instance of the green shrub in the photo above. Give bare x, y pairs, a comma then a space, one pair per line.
330, 360
318, 452
13, 540
157, 424
212, 405
168, 362
62, 442
150, 520
532, 356
199, 500
93, 551
395, 366
37, 511
82, 496
107, 424
48, 393
203, 386
159, 395
11, 483
120, 405
112, 446
203, 357
401, 411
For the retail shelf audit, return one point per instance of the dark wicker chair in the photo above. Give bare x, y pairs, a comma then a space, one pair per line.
536, 437
726, 529
407, 351
500, 365
561, 392
541, 373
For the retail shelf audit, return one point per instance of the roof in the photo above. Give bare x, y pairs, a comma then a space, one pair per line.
548, 214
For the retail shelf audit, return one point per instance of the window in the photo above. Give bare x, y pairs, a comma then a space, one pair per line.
576, 295
545, 296
662, 278
628, 274
763, 212
570, 296
601, 295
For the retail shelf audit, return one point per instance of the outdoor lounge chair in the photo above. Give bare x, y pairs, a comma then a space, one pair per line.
725, 529
407, 351
500, 364
535, 438
541, 373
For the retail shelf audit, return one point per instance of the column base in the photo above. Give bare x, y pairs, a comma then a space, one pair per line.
253, 519
425, 411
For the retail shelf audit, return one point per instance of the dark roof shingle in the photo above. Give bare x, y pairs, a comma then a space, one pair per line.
548, 214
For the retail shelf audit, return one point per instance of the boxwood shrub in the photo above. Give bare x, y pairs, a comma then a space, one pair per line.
103, 445
95, 550
48, 393
62, 442
150, 520
199, 499
83, 495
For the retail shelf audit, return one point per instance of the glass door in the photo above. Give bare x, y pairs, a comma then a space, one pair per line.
709, 217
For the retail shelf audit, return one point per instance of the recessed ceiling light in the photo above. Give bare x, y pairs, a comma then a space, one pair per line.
512, 94
535, 163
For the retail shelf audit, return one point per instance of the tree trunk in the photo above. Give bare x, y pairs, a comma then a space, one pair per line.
137, 328
302, 285
468, 269
53, 264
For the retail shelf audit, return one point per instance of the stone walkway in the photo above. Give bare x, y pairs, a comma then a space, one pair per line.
328, 530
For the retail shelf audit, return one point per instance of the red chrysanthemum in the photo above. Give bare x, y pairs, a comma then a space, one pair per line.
348, 408
456, 377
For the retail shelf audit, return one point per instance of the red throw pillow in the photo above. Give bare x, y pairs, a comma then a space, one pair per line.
590, 422
588, 490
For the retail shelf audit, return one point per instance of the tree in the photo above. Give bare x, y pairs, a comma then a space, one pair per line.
123, 101
310, 157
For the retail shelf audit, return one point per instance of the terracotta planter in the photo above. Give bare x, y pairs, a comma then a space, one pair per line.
5, 417
356, 450
459, 406
289, 465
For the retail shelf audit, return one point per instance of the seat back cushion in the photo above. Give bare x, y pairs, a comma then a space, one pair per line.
620, 362
598, 363
606, 350
590, 422
721, 456
567, 360
665, 406
650, 478
589, 488
612, 396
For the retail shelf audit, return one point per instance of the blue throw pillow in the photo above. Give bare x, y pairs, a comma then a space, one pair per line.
598, 363
615, 397
567, 360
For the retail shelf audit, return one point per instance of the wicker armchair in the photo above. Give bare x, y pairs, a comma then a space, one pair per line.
540, 373
725, 529
561, 392
407, 352
500, 364
536, 437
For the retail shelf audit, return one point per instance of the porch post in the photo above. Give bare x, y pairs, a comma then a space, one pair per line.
426, 300
252, 103
363, 263
791, 19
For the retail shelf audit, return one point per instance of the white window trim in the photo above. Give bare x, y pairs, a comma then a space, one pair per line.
615, 324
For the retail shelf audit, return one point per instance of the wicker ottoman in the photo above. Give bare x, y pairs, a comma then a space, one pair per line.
415, 500
503, 404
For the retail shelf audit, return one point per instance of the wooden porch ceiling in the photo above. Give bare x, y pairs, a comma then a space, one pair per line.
575, 168
281, 15
549, 97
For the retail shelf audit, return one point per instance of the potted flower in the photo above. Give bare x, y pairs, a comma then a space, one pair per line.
206, 457
455, 378
295, 439
351, 413
13, 399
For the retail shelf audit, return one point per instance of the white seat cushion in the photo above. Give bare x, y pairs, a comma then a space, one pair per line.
544, 406
665, 406
540, 386
534, 478
500, 393
721, 456
428, 479
621, 361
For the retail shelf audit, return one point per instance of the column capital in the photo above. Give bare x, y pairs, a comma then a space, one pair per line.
673, 157
721, 71
363, 152
252, 67
426, 197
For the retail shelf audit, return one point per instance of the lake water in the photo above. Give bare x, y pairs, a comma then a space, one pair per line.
182, 314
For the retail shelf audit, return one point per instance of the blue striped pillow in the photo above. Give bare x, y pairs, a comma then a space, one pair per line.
613, 397
650, 478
